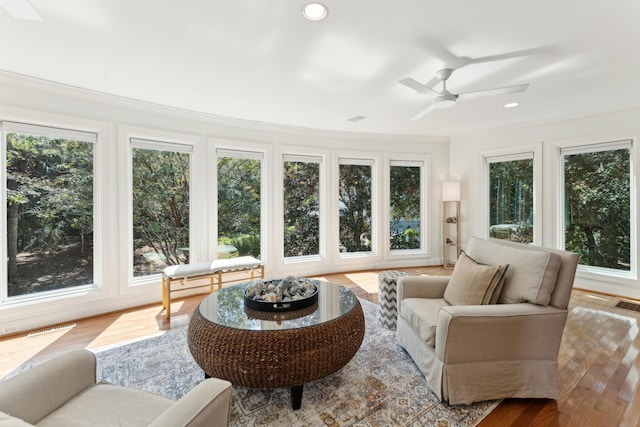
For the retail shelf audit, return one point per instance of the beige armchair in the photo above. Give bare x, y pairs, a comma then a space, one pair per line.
480, 350
63, 392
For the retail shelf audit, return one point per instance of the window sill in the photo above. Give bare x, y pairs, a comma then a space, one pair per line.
301, 259
609, 275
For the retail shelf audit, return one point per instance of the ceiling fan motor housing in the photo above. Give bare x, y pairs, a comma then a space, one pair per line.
444, 74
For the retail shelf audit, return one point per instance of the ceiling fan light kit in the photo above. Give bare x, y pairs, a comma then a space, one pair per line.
446, 99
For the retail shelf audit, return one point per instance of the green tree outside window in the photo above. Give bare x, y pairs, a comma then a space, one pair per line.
160, 210
354, 203
301, 208
597, 207
49, 213
511, 200
239, 210
404, 207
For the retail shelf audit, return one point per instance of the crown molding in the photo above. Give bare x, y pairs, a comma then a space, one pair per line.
82, 94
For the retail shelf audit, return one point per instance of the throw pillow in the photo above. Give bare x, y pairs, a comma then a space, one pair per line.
532, 270
472, 283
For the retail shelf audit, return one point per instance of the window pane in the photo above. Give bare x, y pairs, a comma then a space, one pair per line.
49, 213
597, 208
301, 208
355, 208
404, 209
238, 207
511, 200
160, 210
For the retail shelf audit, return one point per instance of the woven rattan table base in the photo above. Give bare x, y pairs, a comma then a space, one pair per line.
276, 358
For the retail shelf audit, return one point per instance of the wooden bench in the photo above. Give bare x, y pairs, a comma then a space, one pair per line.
185, 274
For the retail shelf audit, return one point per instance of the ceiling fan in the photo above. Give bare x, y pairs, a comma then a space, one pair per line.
446, 99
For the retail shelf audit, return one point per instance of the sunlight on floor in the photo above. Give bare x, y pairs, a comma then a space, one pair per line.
128, 324
367, 281
596, 297
13, 354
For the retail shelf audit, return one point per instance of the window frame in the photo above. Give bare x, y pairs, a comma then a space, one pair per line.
321, 256
64, 132
163, 142
256, 154
592, 146
532, 151
158, 145
358, 159
410, 161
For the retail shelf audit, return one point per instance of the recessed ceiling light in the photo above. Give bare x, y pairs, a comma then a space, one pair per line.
315, 11
21, 9
511, 105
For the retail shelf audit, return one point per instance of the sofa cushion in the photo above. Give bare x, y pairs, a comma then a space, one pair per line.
422, 315
7, 420
531, 276
104, 404
474, 284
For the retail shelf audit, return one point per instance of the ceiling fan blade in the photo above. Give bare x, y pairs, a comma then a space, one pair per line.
423, 113
497, 91
417, 86
513, 54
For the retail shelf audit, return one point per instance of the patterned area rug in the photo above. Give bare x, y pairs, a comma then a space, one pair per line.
380, 386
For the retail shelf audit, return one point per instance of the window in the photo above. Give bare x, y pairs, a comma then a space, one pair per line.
161, 175
597, 204
511, 203
355, 204
301, 206
239, 206
49, 202
405, 204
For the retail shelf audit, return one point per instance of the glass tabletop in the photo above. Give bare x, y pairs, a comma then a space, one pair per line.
226, 308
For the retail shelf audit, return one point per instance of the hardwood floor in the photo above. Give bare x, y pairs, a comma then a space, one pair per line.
599, 371
599, 360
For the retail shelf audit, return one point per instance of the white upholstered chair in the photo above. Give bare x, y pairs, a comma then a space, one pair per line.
63, 392
473, 350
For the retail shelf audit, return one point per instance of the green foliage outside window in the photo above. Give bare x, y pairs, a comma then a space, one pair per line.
597, 208
404, 209
301, 208
160, 210
511, 200
49, 213
355, 208
239, 205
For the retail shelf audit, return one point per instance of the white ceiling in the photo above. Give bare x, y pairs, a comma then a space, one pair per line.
259, 60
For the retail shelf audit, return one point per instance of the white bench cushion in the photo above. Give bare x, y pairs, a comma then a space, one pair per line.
200, 268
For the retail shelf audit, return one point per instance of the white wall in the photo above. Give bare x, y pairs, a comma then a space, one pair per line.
466, 165
32, 101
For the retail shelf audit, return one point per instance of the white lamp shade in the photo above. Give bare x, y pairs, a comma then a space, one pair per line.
451, 191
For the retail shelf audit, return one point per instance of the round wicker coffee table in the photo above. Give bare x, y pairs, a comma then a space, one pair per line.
261, 349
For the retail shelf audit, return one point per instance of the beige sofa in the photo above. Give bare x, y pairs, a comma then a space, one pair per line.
63, 392
481, 350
